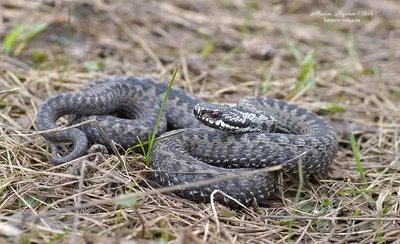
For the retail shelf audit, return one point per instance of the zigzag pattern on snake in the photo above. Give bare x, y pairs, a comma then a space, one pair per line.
198, 152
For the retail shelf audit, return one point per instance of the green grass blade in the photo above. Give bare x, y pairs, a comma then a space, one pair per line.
307, 68
350, 45
207, 50
128, 202
357, 158
307, 74
153, 136
145, 143
297, 198
142, 147
229, 55
350, 51
267, 78
296, 54
35, 30
12, 37
27, 36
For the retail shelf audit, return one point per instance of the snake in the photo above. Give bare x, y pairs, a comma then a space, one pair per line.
196, 141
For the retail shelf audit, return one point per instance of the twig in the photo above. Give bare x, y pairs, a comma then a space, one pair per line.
383, 217
8, 92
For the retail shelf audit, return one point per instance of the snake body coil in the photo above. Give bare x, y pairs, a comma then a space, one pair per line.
197, 152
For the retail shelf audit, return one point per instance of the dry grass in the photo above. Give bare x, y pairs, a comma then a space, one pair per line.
356, 88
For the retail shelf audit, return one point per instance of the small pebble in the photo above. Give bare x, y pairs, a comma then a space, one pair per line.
259, 49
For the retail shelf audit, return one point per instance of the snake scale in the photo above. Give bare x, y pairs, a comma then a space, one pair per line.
213, 140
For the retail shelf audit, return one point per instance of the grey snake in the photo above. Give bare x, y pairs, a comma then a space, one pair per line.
213, 140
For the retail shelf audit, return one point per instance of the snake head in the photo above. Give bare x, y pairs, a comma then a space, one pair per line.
233, 119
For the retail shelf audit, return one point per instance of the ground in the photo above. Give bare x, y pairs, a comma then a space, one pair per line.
337, 58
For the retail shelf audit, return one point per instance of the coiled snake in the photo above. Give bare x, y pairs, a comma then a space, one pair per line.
257, 133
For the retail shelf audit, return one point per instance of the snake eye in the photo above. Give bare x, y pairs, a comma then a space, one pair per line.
215, 114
